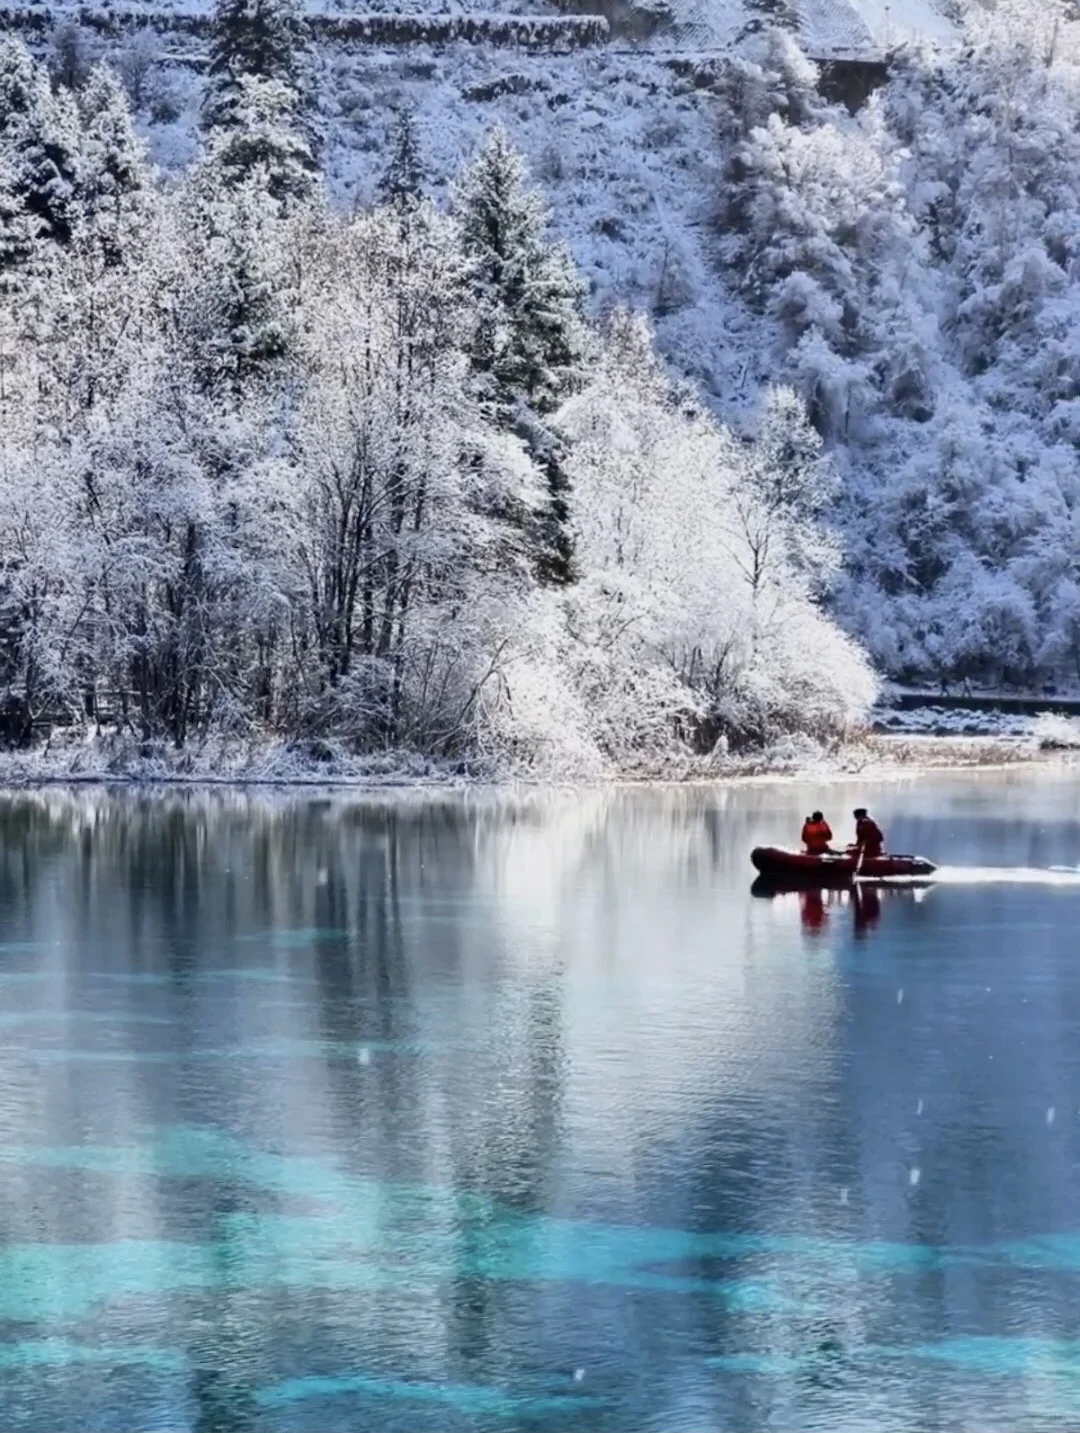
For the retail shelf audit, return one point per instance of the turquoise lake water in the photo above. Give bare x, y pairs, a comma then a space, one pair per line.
524, 1112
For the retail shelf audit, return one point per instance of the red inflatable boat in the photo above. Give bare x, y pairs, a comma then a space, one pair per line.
797, 866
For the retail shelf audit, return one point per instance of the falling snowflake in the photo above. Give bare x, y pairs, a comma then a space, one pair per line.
914, 1175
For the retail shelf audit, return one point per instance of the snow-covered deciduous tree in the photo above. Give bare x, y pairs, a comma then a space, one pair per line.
136, 64
69, 60
722, 609
778, 510
779, 80
406, 514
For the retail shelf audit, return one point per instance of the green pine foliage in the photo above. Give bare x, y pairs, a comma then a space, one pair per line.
401, 185
263, 39
531, 339
267, 139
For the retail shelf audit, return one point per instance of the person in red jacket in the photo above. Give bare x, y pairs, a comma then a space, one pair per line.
816, 835
868, 836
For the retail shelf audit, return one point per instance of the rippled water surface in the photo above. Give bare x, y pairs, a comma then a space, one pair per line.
525, 1113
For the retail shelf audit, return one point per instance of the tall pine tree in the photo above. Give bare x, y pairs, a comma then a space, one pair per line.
401, 185
530, 340
49, 161
18, 86
266, 142
20, 233
260, 39
531, 337
115, 183
39, 132
235, 324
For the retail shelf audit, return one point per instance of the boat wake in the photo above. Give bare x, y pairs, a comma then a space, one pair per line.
1007, 875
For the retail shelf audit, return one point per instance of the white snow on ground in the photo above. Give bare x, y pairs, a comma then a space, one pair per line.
939, 721
844, 29
1049, 731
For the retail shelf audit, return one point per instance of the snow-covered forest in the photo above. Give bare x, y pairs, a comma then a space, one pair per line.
411, 472
268, 468
917, 270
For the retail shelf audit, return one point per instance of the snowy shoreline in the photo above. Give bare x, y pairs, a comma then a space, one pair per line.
875, 757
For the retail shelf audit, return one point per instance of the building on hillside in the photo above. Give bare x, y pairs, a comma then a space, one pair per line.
868, 29
859, 31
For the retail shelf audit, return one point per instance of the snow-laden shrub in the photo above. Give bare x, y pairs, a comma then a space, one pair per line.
1053, 732
723, 602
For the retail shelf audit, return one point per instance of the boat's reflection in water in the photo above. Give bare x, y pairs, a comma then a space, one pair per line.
821, 908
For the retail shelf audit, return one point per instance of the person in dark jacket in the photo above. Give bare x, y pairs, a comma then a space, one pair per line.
868, 835
816, 835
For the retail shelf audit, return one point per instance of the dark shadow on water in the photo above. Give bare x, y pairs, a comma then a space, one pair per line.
823, 909
223, 1406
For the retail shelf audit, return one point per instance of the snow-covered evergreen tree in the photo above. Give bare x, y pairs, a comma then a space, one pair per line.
531, 340
115, 181
253, 39
266, 139
530, 343
18, 87
235, 324
20, 231
401, 183
41, 137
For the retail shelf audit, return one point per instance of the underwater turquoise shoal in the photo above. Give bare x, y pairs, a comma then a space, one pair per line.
368, 1234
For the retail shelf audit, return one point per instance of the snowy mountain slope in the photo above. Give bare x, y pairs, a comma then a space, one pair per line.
626, 147
826, 28
892, 22
626, 150
912, 271
835, 27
